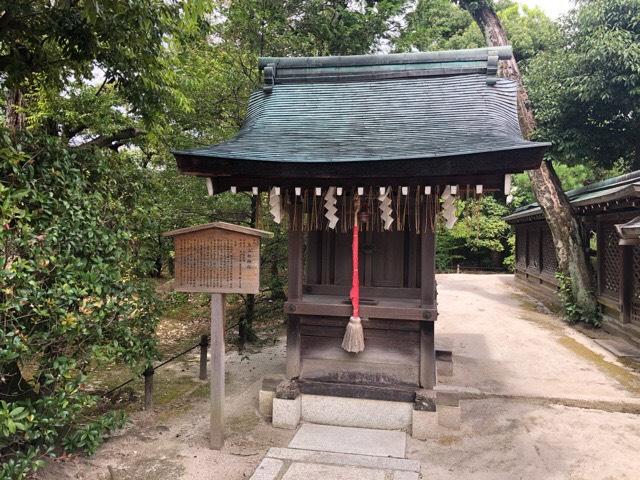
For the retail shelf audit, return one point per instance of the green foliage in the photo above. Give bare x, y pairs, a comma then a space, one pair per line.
479, 238
442, 25
88, 437
586, 94
572, 312
50, 42
71, 300
571, 177
309, 27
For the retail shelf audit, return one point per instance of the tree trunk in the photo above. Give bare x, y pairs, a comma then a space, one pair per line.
14, 117
563, 223
13, 386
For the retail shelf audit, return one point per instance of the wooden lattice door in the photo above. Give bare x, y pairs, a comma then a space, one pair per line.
635, 294
610, 256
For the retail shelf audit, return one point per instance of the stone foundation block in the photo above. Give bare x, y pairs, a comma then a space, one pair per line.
286, 413
444, 363
449, 416
424, 424
356, 412
265, 402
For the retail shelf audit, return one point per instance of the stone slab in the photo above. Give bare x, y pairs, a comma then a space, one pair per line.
619, 347
424, 425
344, 459
444, 369
317, 471
356, 412
286, 413
360, 441
265, 402
268, 469
406, 476
449, 416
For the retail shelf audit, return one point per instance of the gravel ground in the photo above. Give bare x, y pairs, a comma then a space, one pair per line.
503, 345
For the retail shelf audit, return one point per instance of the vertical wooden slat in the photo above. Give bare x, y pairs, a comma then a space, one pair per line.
204, 345
428, 298
217, 371
148, 388
626, 287
295, 274
427, 355
540, 248
428, 268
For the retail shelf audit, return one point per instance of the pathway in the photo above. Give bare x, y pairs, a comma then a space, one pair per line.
321, 452
533, 365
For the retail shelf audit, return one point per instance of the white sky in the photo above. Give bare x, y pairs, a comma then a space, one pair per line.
553, 8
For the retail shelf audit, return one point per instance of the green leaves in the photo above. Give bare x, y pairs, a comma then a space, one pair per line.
586, 92
70, 297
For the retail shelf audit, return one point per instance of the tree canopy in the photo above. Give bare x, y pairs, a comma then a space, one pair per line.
586, 92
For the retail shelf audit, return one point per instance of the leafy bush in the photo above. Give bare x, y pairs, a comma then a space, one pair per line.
572, 312
70, 299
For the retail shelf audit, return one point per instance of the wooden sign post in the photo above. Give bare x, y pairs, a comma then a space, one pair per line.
217, 258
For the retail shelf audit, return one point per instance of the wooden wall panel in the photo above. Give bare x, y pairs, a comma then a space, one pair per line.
391, 355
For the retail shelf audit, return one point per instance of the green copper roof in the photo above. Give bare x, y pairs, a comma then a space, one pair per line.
377, 107
611, 189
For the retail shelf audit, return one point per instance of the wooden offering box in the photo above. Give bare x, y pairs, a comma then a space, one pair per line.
217, 257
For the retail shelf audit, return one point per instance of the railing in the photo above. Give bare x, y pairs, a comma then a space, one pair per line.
150, 371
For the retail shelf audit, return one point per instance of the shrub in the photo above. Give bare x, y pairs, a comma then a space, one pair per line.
70, 300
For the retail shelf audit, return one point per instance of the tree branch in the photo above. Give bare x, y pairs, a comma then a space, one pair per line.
114, 141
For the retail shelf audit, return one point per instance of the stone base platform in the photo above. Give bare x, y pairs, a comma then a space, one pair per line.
321, 452
427, 415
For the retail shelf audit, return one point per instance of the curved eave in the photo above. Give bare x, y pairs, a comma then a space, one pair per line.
495, 162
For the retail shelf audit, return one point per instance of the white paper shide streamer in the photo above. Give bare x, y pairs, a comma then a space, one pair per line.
449, 208
275, 206
330, 207
385, 209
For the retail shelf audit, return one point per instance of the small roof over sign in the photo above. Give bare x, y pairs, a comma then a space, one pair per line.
220, 225
629, 232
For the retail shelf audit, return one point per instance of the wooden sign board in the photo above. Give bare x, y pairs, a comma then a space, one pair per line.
217, 258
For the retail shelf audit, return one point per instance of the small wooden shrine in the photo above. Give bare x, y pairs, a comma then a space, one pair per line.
361, 155
608, 212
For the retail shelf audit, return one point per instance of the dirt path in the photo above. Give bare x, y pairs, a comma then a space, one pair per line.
502, 345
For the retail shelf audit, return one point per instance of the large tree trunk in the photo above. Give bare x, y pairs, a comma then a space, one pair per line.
564, 226
14, 117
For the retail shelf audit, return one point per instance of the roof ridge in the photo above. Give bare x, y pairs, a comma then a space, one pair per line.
465, 55
350, 68
618, 181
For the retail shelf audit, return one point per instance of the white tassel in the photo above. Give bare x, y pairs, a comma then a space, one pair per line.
274, 203
353, 340
449, 208
386, 209
330, 206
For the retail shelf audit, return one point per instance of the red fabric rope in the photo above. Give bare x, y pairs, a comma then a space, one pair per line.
354, 295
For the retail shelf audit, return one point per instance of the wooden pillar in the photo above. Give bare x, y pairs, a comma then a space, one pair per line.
217, 371
428, 268
428, 299
427, 355
295, 272
626, 283
148, 388
204, 346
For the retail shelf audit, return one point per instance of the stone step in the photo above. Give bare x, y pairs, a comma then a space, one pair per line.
360, 441
344, 459
374, 469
